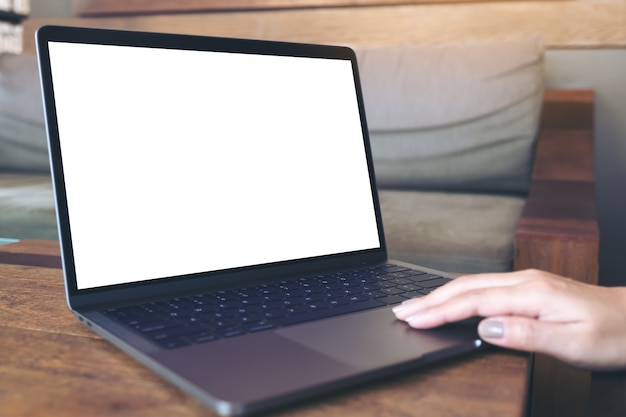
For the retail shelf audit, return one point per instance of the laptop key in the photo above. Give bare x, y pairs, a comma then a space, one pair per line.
413, 294
204, 337
173, 343
257, 327
410, 287
437, 282
229, 332
298, 309
392, 291
424, 277
176, 332
335, 302
391, 299
273, 314
153, 327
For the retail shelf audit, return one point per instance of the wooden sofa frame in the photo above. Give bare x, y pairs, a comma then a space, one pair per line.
558, 232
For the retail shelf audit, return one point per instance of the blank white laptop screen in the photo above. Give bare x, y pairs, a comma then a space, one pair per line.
178, 162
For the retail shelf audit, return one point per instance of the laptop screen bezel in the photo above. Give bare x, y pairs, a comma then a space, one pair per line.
189, 283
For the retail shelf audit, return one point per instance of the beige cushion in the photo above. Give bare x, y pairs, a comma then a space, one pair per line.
454, 232
455, 117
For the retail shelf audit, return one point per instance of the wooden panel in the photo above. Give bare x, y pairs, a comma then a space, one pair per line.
568, 109
561, 202
558, 389
567, 154
109, 7
571, 257
569, 205
558, 232
560, 24
607, 394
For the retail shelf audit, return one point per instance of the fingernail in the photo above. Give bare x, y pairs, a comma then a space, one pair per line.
402, 305
491, 329
399, 308
414, 317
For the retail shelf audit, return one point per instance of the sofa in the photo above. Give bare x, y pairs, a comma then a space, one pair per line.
453, 129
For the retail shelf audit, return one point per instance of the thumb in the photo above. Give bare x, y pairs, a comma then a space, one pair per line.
518, 333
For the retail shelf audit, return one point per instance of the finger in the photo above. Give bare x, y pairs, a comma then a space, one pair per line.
484, 302
487, 280
457, 287
522, 333
553, 339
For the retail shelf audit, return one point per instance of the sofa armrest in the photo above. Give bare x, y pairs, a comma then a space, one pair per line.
558, 232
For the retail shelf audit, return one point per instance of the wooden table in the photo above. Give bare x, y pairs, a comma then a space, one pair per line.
50, 365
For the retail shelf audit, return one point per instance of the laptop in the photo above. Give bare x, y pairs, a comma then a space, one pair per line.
219, 219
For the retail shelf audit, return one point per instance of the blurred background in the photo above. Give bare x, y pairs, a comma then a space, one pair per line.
597, 62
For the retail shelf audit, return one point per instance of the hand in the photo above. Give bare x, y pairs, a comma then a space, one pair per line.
581, 324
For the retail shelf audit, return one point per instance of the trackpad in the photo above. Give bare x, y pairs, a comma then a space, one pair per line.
375, 338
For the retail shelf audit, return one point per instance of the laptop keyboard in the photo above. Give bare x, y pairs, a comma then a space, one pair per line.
207, 317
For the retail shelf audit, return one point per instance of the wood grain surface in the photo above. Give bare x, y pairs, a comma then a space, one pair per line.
559, 24
98, 7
